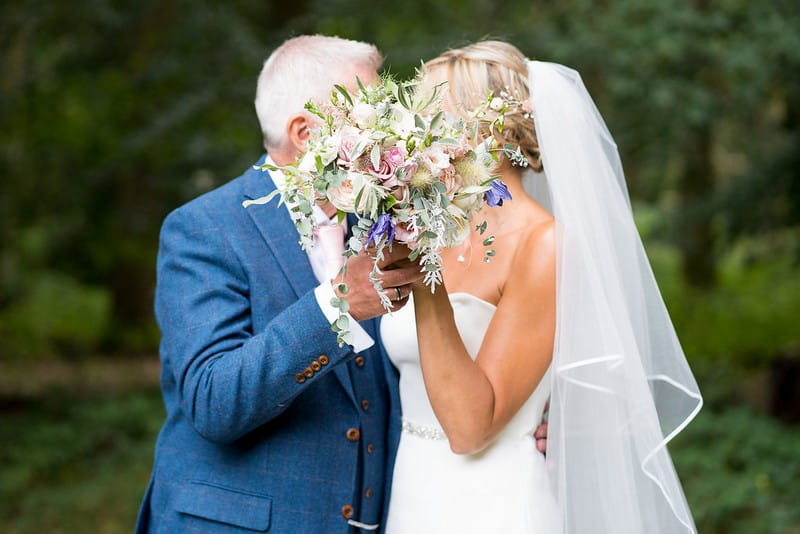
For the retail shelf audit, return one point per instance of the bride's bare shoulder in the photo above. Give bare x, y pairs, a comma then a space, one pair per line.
536, 247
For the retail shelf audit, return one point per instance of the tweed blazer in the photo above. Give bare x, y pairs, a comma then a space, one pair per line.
259, 399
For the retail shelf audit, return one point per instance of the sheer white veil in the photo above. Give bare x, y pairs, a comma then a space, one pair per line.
621, 386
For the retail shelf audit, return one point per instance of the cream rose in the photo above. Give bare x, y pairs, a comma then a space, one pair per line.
343, 197
364, 115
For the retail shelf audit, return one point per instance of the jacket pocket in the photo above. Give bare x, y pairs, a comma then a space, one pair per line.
225, 505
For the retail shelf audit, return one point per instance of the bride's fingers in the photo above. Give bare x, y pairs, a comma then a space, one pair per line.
398, 253
541, 445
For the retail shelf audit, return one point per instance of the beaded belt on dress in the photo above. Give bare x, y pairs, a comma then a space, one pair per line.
423, 431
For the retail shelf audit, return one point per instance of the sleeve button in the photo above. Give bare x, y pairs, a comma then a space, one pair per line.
299, 378
323, 360
316, 366
308, 373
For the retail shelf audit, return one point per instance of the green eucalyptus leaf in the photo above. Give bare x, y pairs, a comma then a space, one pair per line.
362, 88
375, 156
344, 93
261, 200
355, 244
342, 322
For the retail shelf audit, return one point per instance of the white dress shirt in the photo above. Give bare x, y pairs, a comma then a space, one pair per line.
324, 291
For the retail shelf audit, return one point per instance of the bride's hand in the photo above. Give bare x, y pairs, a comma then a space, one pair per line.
404, 263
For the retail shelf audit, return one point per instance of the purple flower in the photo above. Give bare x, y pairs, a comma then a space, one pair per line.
497, 194
383, 226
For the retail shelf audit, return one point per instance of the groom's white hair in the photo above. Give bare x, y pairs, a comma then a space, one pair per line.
301, 69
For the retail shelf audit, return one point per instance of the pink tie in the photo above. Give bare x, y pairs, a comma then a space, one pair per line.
330, 238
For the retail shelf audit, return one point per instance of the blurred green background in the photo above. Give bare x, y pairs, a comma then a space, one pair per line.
114, 113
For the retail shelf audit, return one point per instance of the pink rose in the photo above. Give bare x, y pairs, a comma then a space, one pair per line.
401, 193
462, 148
410, 167
451, 180
407, 233
349, 139
385, 172
394, 156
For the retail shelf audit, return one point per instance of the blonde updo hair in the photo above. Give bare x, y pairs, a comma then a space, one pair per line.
474, 70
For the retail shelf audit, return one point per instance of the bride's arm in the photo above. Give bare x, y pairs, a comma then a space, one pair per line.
474, 400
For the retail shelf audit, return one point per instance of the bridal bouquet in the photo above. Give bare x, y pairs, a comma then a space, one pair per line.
409, 173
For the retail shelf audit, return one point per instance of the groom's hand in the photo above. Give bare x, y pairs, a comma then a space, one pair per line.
361, 296
541, 438
541, 432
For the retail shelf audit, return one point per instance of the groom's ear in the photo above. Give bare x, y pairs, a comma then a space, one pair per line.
298, 129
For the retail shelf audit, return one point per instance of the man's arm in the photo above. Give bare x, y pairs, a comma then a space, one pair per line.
231, 379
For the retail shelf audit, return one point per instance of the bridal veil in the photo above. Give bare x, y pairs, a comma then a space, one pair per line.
621, 385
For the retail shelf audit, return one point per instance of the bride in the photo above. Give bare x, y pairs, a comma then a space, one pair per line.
566, 309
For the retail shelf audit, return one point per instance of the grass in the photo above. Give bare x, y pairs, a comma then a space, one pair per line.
79, 462
76, 465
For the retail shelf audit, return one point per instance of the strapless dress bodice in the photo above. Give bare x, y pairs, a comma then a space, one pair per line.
473, 317
503, 488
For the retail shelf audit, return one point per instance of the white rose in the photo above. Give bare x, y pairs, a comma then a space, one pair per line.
364, 115
497, 104
329, 148
458, 233
402, 121
467, 203
343, 197
308, 162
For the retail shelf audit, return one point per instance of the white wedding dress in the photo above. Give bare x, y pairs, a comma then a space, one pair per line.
504, 488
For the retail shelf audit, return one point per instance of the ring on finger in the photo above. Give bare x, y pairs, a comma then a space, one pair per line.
398, 293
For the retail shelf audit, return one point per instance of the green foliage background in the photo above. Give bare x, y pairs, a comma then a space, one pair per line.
114, 113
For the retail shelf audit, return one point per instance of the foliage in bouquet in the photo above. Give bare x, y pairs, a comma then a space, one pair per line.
410, 174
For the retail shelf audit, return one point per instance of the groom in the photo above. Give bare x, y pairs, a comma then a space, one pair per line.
271, 426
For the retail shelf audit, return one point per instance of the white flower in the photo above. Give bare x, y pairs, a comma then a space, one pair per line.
402, 121
308, 162
343, 197
458, 230
329, 148
364, 115
468, 203
497, 104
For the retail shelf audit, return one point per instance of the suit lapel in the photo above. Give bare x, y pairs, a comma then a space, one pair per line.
280, 234
277, 229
